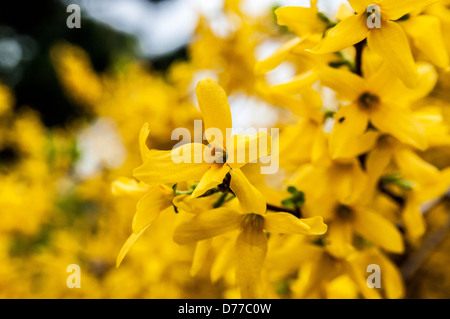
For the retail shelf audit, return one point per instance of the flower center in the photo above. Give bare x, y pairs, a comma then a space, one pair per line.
254, 221
218, 155
368, 100
344, 212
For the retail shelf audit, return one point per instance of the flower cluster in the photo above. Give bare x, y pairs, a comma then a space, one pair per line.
360, 98
354, 179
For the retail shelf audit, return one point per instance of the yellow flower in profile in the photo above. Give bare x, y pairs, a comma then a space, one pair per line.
160, 168
421, 180
388, 40
318, 269
305, 22
251, 243
425, 31
309, 25
154, 200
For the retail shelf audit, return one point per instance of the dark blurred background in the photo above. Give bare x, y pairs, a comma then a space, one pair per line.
28, 31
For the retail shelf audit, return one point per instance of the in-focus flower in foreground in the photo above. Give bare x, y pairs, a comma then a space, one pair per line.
209, 165
250, 217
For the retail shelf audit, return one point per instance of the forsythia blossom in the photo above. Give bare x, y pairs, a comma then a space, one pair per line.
361, 102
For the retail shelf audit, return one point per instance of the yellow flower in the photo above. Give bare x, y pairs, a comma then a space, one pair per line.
425, 31
155, 199
376, 100
424, 181
336, 190
309, 25
318, 270
220, 160
389, 41
345, 219
251, 243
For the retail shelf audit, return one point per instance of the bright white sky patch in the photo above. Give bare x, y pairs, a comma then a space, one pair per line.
166, 26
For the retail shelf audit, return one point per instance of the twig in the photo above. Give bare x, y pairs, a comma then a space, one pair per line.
417, 258
358, 58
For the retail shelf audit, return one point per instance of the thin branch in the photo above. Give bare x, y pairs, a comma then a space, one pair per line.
417, 258
358, 58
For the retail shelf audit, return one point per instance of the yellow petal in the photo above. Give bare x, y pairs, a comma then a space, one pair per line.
182, 202
320, 152
392, 279
299, 106
277, 57
213, 177
346, 84
391, 43
245, 149
207, 224
192, 205
360, 6
371, 62
378, 230
384, 82
151, 205
414, 220
346, 33
376, 163
286, 223
341, 287
395, 9
251, 248
340, 238
297, 84
224, 259
301, 20
320, 207
128, 186
361, 145
316, 225
392, 90
351, 123
428, 78
201, 252
159, 166
435, 187
251, 199
312, 180
401, 124
349, 181
426, 33
143, 136
359, 277
127, 246
214, 106
414, 168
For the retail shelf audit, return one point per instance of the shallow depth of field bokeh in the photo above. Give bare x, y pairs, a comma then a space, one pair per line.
74, 102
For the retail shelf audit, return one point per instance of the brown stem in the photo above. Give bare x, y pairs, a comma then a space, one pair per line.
358, 58
397, 199
417, 258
